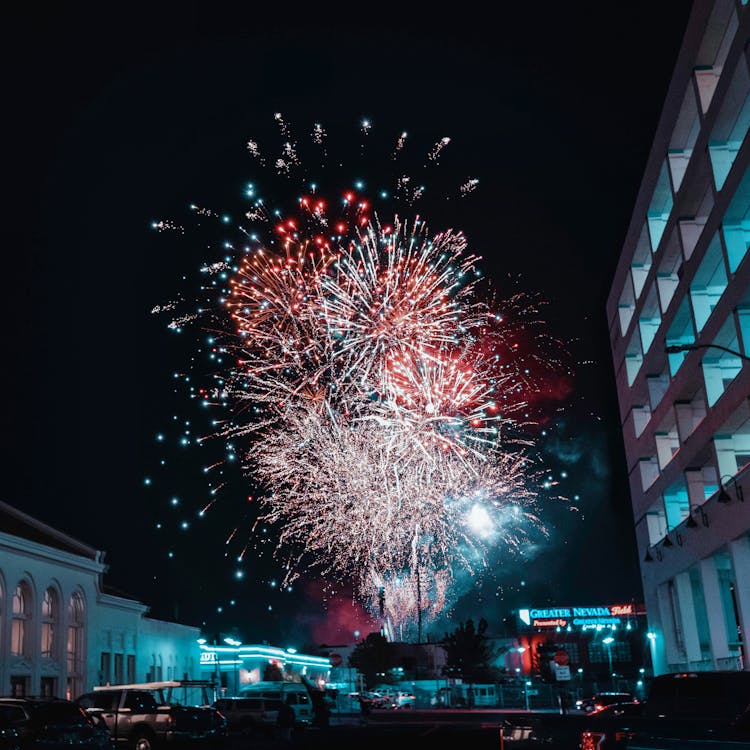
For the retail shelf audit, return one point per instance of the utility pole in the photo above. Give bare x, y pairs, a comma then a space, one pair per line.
419, 609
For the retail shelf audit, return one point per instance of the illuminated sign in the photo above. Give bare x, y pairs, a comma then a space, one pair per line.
562, 617
208, 657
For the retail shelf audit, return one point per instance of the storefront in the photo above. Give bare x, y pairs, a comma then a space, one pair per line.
607, 643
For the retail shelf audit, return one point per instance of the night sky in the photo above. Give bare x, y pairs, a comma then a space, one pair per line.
116, 121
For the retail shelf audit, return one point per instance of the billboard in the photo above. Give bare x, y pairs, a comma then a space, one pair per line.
580, 617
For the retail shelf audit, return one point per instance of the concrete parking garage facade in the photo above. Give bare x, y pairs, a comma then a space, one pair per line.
679, 324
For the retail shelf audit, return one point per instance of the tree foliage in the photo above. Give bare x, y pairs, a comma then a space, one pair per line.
469, 653
374, 655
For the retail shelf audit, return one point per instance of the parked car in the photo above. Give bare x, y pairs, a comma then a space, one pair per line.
402, 699
50, 722
600, 700
141, 716
377, 700
388, 695
249, 715
633, 708
10, 735
294, 694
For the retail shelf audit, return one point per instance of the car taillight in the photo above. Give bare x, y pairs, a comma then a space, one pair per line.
598, 706
592, 740
621, 736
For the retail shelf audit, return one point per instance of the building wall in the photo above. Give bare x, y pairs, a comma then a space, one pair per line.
683, 279
107, 624
236, 667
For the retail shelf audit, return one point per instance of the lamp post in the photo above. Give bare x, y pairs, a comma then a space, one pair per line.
520, 650
608, 643
676, 348
724, 496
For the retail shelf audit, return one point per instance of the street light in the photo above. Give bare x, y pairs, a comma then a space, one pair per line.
724, 496
608, 643
677, 348
520, 651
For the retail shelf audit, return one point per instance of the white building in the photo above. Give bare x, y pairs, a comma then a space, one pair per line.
61, 633
683, 282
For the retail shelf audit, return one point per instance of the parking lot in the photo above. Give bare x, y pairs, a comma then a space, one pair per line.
392, 730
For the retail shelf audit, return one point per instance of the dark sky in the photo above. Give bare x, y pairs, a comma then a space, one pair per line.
119, 117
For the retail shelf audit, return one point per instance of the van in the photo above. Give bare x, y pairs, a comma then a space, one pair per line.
249, 715
293, 693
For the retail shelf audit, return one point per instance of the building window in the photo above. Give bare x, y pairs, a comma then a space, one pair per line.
21, 619
48, 687
131, 668
597, 653
573, 654
105, 668
118, 669
660, 208
50, 617
19, 685
719, 370
76, 625
731, 125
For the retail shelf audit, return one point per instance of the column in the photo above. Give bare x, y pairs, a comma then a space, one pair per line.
687, 614
714, 608
667, 643
739, 552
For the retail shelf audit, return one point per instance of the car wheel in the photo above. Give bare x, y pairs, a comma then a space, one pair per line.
142, 741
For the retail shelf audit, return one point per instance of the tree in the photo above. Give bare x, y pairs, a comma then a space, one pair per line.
373, 655
469, 654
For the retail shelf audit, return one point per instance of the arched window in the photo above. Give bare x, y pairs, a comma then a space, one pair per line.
50, 618
76, 629
20, 625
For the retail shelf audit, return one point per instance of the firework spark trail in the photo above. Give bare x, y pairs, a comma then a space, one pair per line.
410, 194
469, 186
281, 122
399, 145
374, 509
165, 225
437, 149
396, 290
380, 393
254, 150
202, 211
321, 315
318, 134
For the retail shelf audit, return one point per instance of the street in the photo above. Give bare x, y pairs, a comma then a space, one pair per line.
392, 730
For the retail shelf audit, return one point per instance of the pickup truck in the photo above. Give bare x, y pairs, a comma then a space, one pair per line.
141, 717
683, 711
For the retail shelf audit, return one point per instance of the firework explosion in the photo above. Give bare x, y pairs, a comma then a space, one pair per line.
379, 392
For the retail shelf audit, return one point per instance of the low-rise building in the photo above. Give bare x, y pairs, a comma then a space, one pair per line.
62, 632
